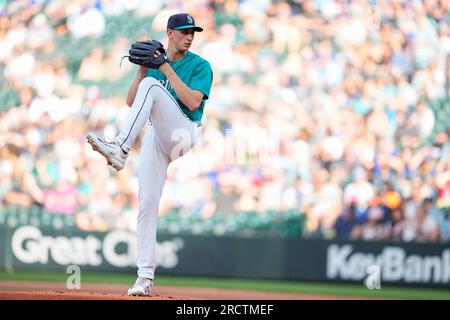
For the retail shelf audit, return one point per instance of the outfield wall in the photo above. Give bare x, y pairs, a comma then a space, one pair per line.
428, 265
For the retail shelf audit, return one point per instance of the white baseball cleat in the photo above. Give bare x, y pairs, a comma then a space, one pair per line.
141, 287
110, 150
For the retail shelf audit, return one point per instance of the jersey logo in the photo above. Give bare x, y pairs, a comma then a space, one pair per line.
166, 84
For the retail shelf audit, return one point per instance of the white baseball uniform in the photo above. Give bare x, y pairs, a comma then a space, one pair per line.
170, 136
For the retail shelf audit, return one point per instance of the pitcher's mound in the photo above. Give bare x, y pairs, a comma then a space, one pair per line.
41, 290
52, 295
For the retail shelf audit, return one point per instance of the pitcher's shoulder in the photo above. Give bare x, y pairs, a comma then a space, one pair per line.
198, 59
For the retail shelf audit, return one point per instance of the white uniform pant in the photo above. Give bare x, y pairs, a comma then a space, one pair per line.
171, 135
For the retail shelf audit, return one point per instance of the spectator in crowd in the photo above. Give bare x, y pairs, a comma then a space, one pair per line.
346, 223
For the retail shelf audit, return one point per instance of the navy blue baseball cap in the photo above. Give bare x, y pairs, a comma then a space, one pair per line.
181, 21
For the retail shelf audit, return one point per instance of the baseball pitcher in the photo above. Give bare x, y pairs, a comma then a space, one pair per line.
169, 92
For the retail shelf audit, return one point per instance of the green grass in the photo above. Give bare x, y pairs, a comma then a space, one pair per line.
356, 290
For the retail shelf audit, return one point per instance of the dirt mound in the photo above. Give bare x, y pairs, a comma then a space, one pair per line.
52, 295
25, 290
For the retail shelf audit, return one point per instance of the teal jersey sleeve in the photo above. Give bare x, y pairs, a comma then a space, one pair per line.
202, 79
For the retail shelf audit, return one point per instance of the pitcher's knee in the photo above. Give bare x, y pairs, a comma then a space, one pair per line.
147, 82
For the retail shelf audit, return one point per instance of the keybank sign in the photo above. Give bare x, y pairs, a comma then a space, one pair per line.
345, 263
30, 246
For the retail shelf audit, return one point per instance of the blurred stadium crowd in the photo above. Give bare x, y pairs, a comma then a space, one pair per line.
355, 99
